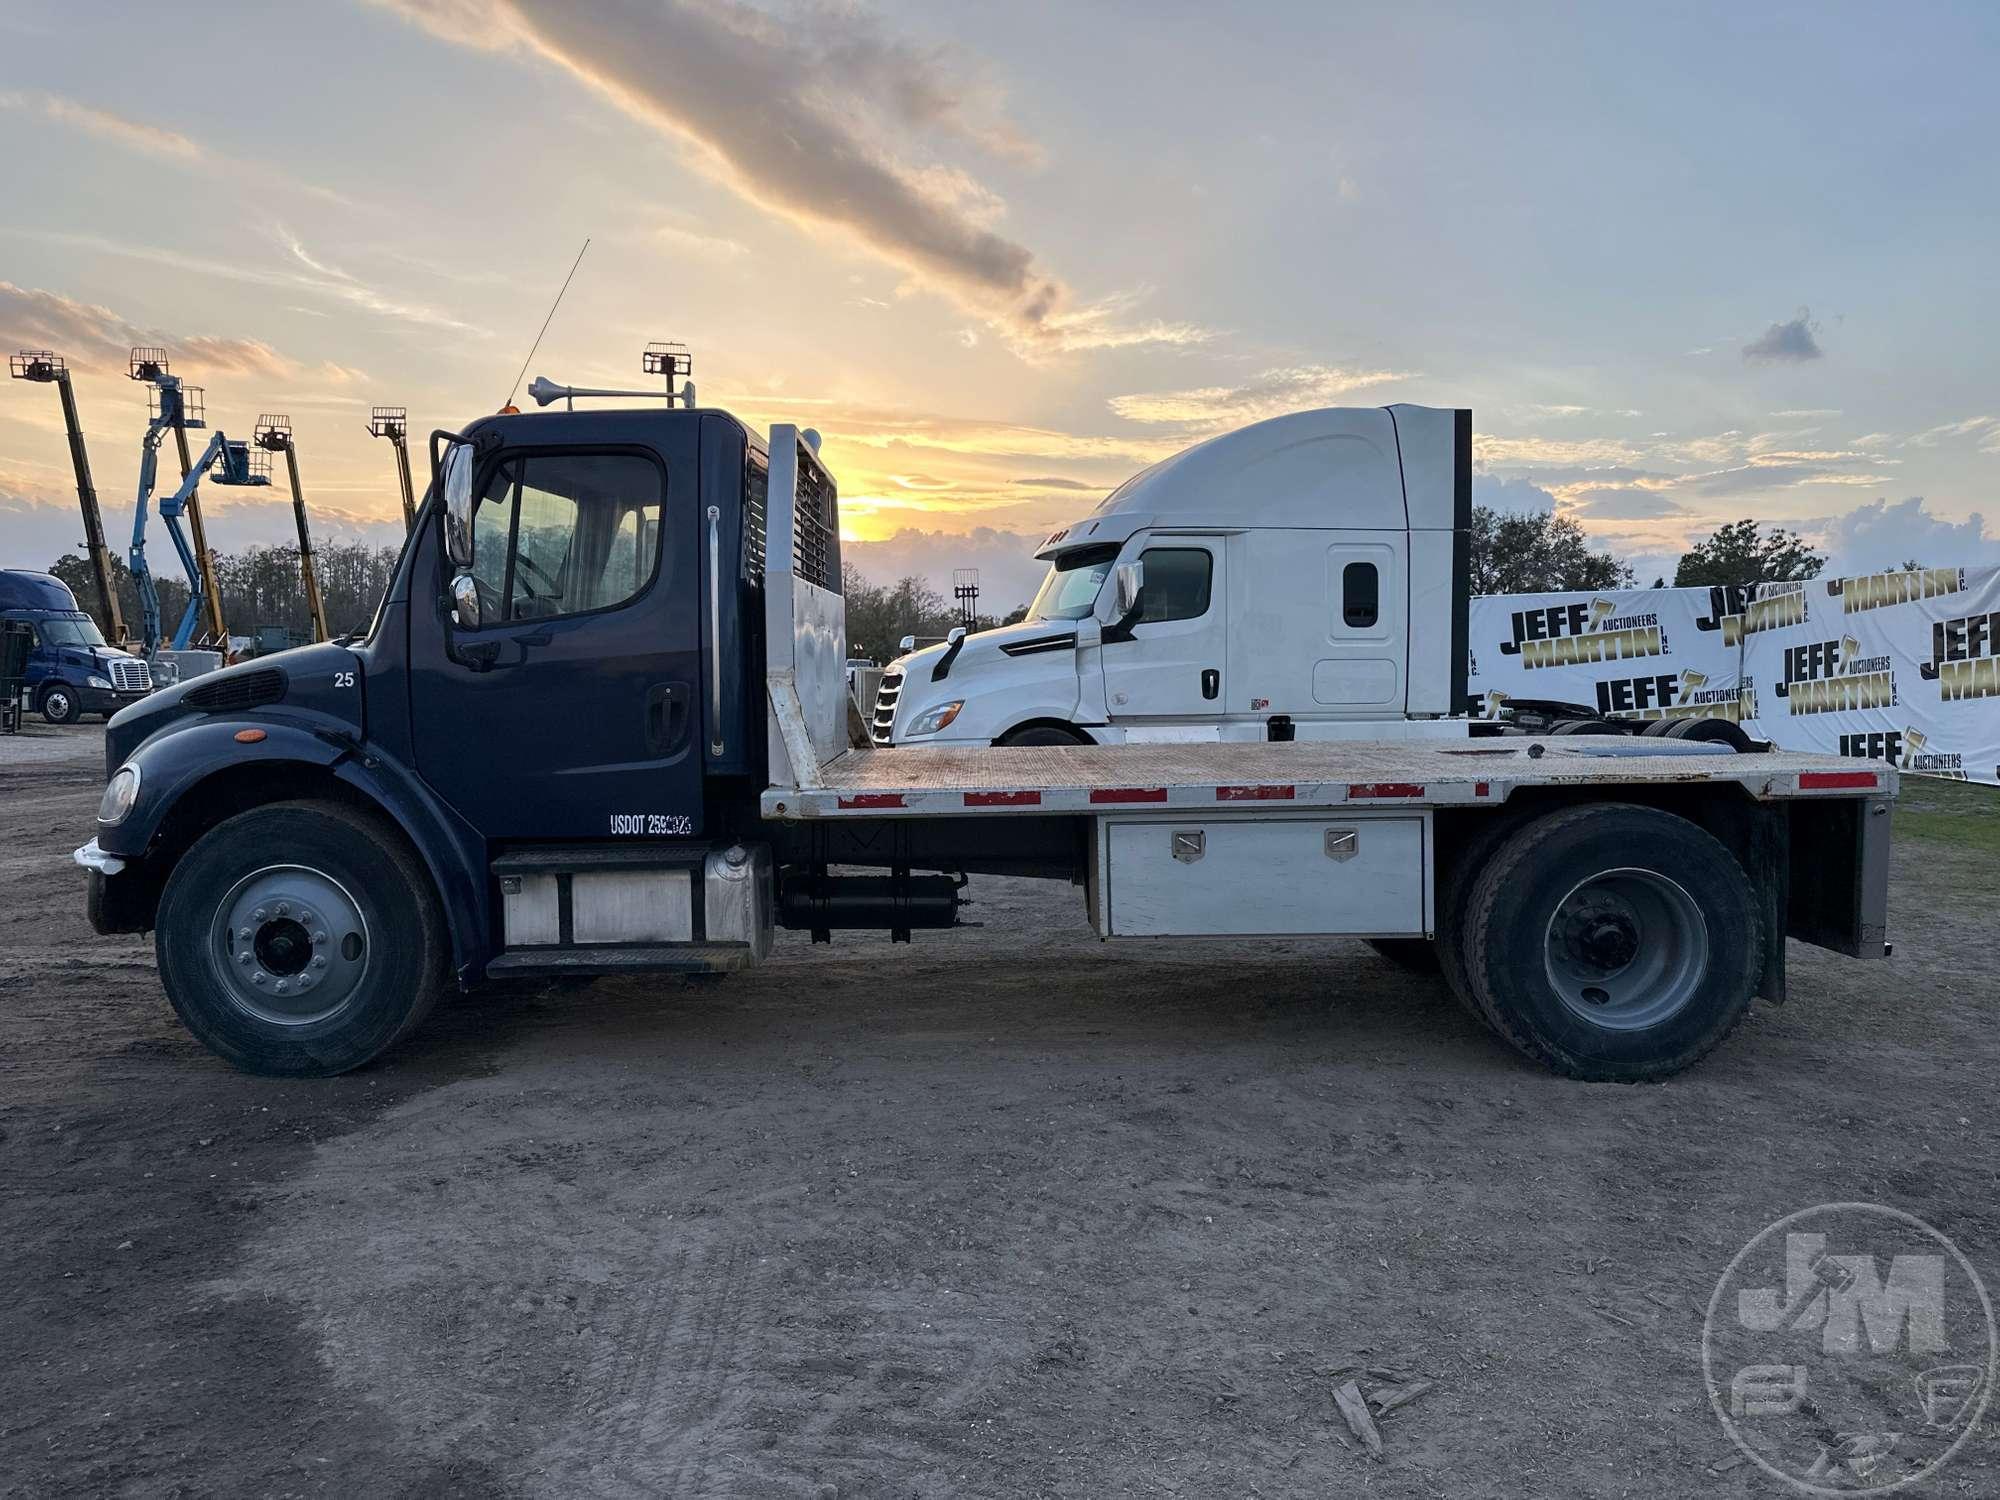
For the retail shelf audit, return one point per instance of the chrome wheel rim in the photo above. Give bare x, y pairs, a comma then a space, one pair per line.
1626, 949
55, 705
289, 945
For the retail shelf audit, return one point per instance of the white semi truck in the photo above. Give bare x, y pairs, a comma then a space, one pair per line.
599, 726
1304, 578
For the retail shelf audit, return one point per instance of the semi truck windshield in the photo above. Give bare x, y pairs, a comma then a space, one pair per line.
70, 632
1071, 587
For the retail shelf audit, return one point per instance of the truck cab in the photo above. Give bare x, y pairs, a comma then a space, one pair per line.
72, 670
1300, 577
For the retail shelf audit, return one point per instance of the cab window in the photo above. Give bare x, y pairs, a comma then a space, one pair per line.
565, 534
1176, 586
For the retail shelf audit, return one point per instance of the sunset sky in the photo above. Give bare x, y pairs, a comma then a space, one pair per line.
1685, 263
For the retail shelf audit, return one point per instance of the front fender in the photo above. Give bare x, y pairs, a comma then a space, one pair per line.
191, 757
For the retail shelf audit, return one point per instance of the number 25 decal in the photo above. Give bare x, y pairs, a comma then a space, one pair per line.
343, 679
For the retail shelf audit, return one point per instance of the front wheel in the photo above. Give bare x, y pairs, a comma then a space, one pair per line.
1614, 943
300, 940
60, 705
1042, 734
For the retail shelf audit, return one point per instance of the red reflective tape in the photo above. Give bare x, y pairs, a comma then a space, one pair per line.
1384, 789
1003, 799
1810, 780
1254, 793
873, 799
1481, 789
1129, 794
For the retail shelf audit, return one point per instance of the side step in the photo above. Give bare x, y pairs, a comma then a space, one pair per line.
675, 958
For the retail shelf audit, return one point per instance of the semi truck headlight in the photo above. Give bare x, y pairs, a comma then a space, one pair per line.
100, 682
119, 795
931, 720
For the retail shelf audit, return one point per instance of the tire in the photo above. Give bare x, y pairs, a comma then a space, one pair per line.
1587, 726
60, 705
364, 931
1412, 955
1042, 734
1613, 943
1454, 890
1710, 732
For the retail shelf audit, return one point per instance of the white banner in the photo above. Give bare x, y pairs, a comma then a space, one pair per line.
1626, 653
1903, 667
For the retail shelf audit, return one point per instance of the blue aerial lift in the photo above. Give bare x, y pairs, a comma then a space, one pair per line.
178, 408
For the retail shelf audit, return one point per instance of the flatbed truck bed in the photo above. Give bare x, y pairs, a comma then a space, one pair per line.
1300, 775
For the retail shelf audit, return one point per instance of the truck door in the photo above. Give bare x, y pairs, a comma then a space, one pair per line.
571, 710
1361, 665
1168, 660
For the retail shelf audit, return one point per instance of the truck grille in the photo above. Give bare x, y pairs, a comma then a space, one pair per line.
885, 707
130, 676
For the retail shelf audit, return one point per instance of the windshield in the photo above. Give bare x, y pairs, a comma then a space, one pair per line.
1071, 587
70, 633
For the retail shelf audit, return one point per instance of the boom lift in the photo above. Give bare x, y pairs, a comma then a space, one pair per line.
393, 423
46, 368
179, 407
274, 435
150, 365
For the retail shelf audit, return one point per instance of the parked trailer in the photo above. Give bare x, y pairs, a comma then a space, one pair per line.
621, 747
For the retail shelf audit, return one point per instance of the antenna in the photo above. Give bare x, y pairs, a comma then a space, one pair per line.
545, 325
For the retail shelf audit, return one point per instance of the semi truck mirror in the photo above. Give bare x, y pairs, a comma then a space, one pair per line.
458, 507
465, 602
1127, 580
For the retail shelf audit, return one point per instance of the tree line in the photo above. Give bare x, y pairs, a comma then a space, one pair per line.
260, 586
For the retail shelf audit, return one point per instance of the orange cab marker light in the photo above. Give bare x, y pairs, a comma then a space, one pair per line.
249, 736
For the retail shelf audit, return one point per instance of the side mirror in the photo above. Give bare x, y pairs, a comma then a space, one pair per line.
465, 602
1127, 579
457, 492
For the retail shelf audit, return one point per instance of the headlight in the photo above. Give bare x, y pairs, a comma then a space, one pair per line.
100, 682
931, 720
119, 795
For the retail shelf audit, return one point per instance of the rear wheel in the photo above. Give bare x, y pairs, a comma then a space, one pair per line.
1613, 942
300, 939
60, 705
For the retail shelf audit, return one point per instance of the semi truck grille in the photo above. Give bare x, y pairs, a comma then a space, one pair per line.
130, 676
885, 707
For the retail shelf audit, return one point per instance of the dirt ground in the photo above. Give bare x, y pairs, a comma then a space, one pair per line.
1002, 1213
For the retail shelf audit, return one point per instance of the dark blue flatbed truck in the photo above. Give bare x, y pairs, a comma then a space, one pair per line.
598, 726
71, 670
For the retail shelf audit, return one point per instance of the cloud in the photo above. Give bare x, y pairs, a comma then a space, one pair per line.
693, 242
93, 337
1623, 504
1782, 471
798, 117
1008, 571
135, 135
1294, 388
1882, 535
1055, 483
1985, 429
1792, 342
1510, 496
156, 141
337, 285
